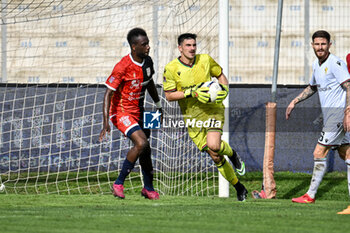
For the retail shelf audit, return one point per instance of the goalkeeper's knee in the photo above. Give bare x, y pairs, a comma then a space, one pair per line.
215, 147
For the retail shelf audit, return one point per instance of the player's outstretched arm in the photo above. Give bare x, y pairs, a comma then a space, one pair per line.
306, 93
346, 121
106, 105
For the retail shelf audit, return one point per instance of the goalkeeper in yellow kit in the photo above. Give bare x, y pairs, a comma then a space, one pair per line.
183, 78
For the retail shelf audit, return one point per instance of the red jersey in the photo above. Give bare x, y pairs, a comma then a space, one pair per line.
348, 61
129, 80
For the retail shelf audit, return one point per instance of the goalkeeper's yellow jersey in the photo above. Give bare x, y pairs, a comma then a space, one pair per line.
179, 77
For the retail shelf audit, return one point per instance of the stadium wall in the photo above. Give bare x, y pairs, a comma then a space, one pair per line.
54, 123
80, 42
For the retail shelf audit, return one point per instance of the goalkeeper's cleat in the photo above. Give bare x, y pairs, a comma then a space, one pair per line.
346, 211
118, 191
259, 195
152, 195
306, 199
238, 163
242, 192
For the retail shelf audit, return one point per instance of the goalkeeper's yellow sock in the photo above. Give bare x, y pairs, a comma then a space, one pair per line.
227, 171
225, 149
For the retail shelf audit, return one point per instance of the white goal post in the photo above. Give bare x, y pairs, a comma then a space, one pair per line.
224, 190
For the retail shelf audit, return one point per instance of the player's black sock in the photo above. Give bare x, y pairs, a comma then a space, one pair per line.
239, 187
147, 169
148, 180
126, 169
236, 160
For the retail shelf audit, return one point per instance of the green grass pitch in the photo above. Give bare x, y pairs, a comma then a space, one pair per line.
104, 213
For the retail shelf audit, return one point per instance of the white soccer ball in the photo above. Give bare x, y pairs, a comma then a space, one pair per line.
2, 187
214, 87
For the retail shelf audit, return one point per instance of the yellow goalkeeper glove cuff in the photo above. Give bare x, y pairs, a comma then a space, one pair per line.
188, 92
221, 95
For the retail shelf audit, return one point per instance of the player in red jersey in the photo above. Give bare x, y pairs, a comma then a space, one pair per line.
123, 105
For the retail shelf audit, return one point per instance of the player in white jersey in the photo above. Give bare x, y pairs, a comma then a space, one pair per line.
330, 78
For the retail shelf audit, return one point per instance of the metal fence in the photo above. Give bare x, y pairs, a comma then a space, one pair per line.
80, 41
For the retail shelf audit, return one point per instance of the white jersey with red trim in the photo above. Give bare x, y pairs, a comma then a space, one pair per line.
329, 77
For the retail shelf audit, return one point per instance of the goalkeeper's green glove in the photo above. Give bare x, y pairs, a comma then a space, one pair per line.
201, 93
221, 95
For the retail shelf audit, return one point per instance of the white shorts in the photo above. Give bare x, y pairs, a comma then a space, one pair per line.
334, 136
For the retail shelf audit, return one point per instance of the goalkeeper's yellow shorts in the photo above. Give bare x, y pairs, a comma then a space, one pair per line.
199, 135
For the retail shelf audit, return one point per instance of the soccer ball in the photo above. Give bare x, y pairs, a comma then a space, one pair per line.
2, 187
214, 87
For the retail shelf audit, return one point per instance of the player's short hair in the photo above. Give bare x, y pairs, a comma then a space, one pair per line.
185, 36
322, 34
134, 33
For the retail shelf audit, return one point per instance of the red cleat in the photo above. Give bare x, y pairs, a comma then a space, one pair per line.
118, 191
306, 199
152, 195
259, 195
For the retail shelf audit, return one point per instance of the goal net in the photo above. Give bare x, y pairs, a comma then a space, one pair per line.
49, 144
56, 56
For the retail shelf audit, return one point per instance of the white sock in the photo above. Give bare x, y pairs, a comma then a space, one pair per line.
348, 166
320, 166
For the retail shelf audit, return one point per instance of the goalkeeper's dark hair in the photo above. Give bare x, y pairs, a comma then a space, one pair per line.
185, 36
321, 34
134, 33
